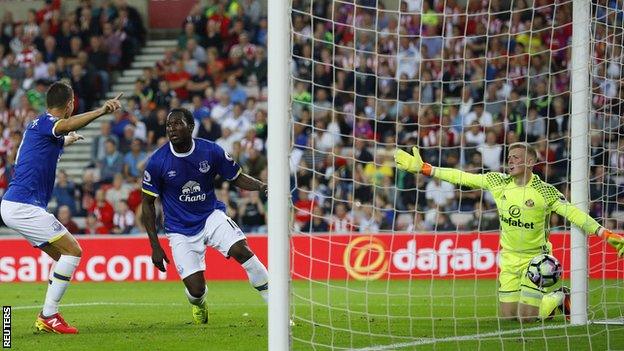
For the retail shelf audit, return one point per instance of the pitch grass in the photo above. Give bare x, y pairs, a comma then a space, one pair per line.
396, 315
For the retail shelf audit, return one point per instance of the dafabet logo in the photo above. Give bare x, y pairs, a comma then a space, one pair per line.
366, 258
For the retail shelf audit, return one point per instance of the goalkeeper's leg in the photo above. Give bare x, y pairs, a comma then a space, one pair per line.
539, 303
509, 286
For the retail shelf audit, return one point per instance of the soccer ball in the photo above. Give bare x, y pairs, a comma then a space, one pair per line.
544, 271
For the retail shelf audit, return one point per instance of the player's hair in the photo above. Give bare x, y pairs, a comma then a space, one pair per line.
186, 114
530, 150
58, 95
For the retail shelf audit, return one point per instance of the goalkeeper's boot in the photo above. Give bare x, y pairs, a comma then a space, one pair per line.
200, 313
54, 324
565, 304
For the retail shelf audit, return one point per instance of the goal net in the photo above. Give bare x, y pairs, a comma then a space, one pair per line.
385, 260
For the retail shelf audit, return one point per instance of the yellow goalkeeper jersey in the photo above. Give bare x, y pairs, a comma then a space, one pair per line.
524, 211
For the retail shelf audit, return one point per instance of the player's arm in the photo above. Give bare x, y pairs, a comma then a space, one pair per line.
148, 216
584, 221
64, 126
414, 164
247, 182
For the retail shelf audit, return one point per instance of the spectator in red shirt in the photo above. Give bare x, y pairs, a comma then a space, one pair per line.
134, 198
304, 206
93, 226
103, 211
64, 216
178, 78
341, 221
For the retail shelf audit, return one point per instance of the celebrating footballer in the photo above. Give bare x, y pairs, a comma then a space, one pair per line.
182, 173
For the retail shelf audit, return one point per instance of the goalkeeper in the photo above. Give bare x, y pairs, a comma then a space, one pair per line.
524, 205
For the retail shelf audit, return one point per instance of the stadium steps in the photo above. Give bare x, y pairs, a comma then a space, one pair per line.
77, 157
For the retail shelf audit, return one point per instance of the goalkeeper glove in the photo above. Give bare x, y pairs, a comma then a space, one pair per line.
615, 240
411, 163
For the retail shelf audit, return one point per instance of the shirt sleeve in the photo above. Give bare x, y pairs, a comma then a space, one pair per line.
225, 164
46, 126
476, 181
152, 184
561, 206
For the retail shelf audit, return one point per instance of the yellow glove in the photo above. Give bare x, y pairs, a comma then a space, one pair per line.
411, 163
615, 240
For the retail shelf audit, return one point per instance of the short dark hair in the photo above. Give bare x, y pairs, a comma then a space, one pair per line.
530, 150
58, 95
186, 114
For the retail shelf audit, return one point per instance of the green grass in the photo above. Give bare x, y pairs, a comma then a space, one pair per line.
399, 315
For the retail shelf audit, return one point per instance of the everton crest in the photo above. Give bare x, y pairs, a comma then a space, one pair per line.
204, 166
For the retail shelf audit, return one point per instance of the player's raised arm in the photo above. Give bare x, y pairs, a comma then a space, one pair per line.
414, 164
74, 123
584, 221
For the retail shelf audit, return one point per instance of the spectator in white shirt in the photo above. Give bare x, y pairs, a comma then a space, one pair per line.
479, 114
474, 136
238, 124
439, 193
491, 152
226, 140
123, 219
223, 110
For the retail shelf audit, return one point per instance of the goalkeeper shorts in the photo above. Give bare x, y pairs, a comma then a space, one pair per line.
513, 283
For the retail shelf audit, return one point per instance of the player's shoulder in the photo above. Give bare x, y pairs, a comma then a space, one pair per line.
548, 191
207, 147
205, 144
44, 117
496, 179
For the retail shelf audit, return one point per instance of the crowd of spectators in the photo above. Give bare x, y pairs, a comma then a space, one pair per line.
219, 71
460, 82
85, 46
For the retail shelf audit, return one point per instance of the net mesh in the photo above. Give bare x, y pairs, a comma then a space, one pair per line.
383, 259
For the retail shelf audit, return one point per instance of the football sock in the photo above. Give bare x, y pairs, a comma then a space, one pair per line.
51, 275
550, 301
60, 277
258, 276
197, 301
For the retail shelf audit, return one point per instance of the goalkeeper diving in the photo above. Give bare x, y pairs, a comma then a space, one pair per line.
524, 204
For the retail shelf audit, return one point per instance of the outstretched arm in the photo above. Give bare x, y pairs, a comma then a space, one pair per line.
587, 223
74, 123
148, 216
247, 182
414, 164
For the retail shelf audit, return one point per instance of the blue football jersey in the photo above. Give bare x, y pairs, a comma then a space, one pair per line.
35, 164
185, 183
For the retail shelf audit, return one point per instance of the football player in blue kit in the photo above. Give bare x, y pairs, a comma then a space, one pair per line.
182, 173
25, 203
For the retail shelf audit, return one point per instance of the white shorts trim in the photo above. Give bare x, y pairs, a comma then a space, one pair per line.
37, 225
220, 232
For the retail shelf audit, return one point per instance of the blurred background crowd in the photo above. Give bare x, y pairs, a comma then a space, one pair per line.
460, 81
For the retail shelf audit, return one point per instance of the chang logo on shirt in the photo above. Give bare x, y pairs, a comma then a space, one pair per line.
190, 192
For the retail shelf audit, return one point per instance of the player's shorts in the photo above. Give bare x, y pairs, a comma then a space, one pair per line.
220, 232
513, 283
37, 225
